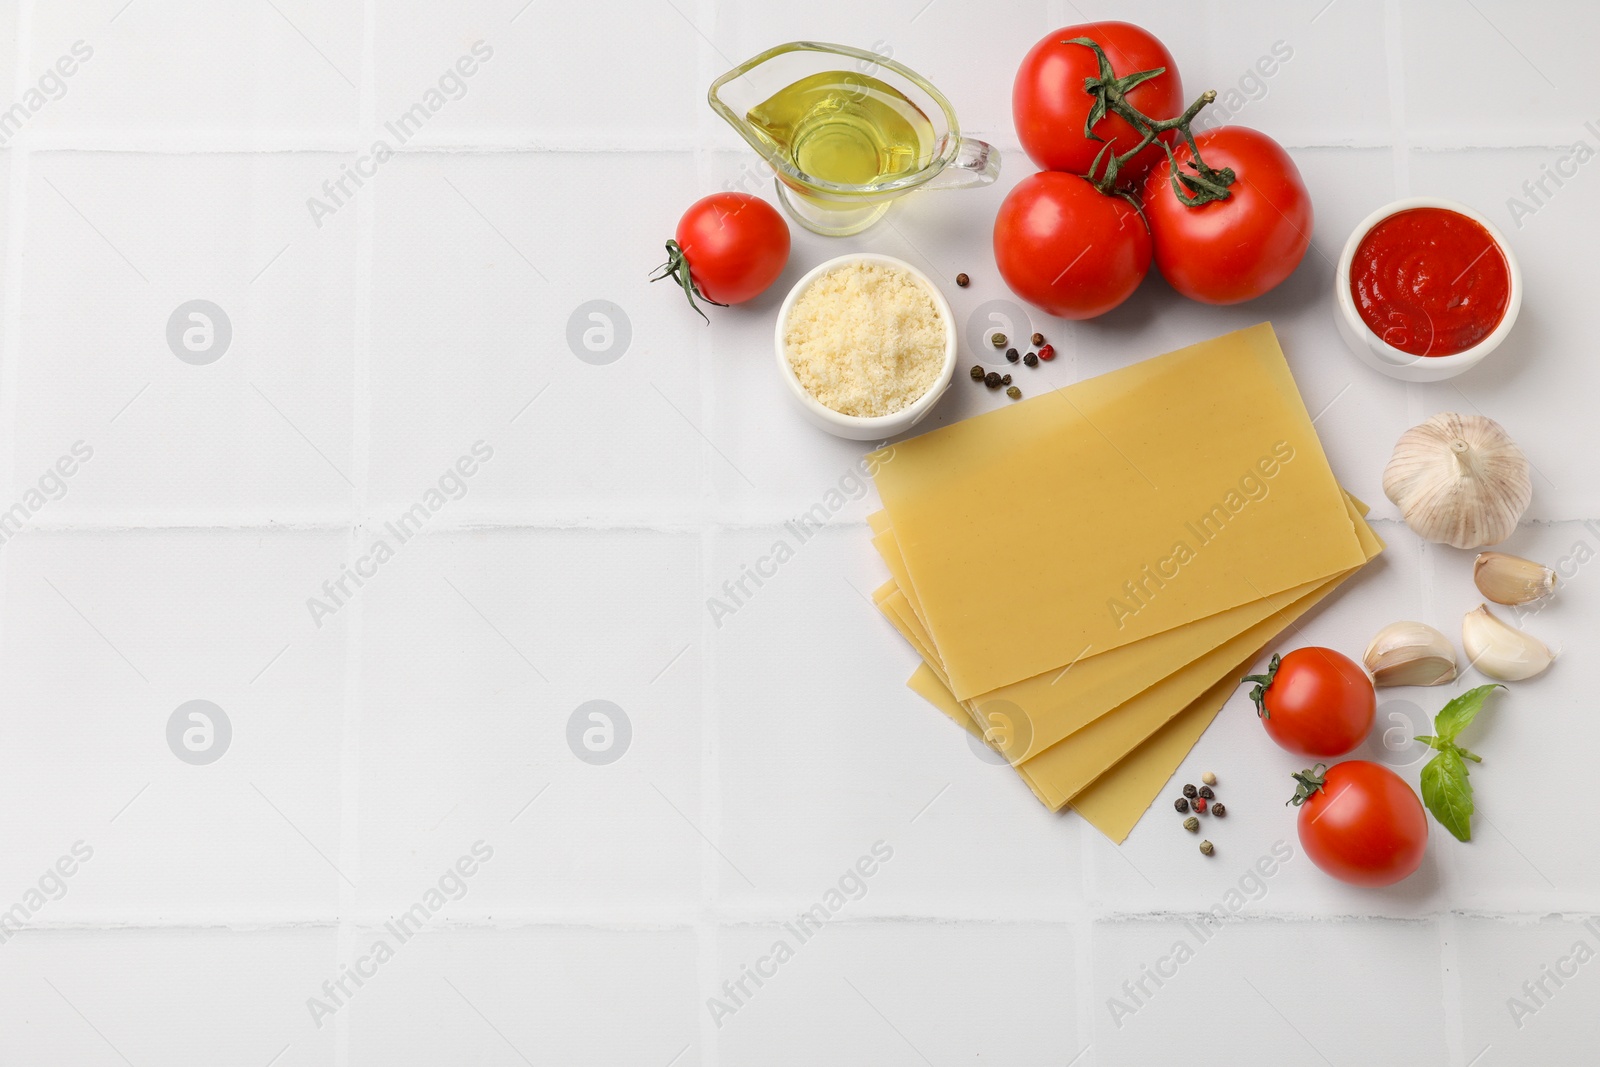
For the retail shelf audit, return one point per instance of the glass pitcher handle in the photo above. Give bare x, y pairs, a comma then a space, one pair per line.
976, 163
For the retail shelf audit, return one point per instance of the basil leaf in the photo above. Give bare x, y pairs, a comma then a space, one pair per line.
1459, 713
1448, 794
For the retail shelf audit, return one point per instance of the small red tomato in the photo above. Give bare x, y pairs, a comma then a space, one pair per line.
1236, 249
1360, 822
1067, 248
1050, 106
729, 248
1315, 702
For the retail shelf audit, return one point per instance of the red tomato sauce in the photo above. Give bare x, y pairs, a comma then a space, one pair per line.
1430, 282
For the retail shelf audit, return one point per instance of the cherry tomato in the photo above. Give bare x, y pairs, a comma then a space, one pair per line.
1315, 702
1231, 250
1065, 247
1361, 823
1050, 107
730, 247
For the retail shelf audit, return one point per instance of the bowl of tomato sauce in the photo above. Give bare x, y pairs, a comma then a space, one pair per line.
1426, 288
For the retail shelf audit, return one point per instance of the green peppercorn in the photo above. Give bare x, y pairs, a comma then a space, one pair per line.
992, 380
1181, 805
1218, 810
1192, 824
1207, 792
998, 340
1190, 791
1037, 339
1207, 848
977, 373
1030, 360
1011, 355
1013, 392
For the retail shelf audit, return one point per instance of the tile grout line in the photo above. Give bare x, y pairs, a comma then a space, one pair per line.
360, 468
15, 239
1447, 925
708, 930
164, 142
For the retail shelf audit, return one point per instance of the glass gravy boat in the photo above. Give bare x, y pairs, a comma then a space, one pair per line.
946, 161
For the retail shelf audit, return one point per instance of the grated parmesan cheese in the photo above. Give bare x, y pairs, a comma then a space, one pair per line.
866, 339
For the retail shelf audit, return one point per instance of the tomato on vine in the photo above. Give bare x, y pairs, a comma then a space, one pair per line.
1065, 248
1054, 115
1236, 248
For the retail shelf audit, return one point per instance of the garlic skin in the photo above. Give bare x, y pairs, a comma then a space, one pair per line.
1459, 480
1410, 653
1507, 579
1502, 652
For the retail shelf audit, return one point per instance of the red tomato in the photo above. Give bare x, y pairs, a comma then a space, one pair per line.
1364, 825
1315, 702
1050, 107
735, 244
1062, 245
1231, 250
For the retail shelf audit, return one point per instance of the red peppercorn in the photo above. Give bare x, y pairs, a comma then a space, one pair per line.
1199, 804
1047, 353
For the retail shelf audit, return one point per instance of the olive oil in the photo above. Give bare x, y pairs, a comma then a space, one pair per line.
846, 128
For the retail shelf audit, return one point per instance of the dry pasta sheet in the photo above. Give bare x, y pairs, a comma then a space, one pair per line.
1113, 510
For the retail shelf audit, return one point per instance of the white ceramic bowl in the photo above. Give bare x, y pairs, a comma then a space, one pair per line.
1378, 354
857, 427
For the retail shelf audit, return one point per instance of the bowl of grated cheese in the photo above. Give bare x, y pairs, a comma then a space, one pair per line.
867, 345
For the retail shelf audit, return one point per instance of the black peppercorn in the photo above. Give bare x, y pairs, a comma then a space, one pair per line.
1190, 791
1030, 360
1218, 810
1038, 339
1180, 805
992, 380
1011, 355
962, 280
1207, 792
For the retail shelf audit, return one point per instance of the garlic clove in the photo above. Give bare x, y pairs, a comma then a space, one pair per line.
1410, 653
1507, 579
1459, 480
1502, 652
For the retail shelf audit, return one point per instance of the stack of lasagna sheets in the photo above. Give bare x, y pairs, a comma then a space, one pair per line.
1087, 573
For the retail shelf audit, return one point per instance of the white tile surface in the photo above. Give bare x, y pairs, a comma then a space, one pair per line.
768, 763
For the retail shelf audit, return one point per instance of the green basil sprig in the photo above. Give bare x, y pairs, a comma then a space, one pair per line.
1445, 788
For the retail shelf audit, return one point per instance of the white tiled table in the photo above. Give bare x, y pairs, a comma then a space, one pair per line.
376, 341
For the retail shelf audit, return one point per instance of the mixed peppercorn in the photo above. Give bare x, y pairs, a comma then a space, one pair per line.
996, 380
1200, 800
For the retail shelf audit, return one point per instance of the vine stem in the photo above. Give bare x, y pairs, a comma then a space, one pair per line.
1204, 185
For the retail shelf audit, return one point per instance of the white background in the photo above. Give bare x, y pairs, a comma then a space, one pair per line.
368, 753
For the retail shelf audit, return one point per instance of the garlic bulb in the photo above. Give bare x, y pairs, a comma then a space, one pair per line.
1511, 579
1460, 480
1410, 653
1503, 652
